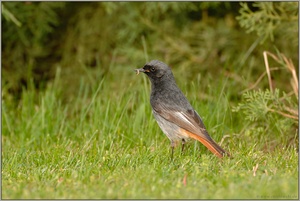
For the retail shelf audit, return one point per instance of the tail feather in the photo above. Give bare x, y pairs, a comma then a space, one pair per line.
210, 144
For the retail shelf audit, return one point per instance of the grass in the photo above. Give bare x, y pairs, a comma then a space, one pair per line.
108, 146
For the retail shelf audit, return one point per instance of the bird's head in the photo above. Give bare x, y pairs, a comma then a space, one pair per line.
155, 70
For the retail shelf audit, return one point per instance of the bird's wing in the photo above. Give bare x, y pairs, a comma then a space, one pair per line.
185, 119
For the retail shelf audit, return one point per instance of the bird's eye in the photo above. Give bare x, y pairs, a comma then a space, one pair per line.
152, 69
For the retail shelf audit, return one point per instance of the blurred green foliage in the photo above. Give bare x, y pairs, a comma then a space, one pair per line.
271, 18
264, 112
27, 28
38, 37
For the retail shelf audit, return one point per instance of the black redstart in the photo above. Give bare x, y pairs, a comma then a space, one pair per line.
173, 112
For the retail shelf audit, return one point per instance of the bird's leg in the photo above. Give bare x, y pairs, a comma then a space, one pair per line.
182, 148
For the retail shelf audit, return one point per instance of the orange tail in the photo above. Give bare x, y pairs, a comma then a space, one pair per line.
211, 145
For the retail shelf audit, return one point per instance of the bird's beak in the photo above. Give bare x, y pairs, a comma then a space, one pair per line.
140, 70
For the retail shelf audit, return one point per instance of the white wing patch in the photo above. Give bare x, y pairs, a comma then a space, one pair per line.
182, 117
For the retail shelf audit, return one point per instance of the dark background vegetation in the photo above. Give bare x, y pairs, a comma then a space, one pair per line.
37, 37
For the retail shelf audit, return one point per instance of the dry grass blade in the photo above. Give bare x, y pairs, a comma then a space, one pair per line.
293, 111
255, 169
294, 80
288, 64
268, 68
259, 79
223, 138
284, 114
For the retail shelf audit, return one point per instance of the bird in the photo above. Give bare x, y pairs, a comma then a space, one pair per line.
173, 112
